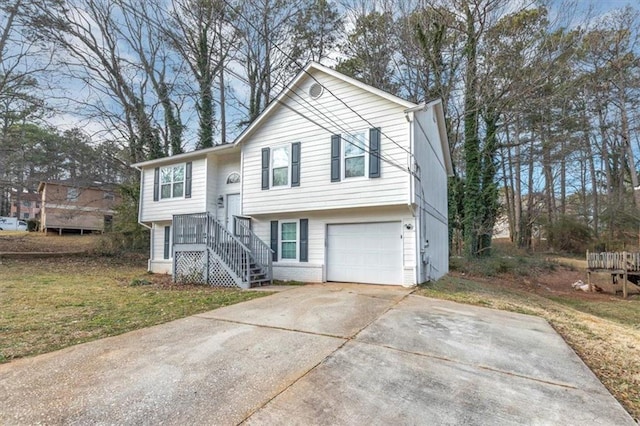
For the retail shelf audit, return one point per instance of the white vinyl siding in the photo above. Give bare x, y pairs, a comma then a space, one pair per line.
224, 166
316, 191
152, 211
430, 198
157, 262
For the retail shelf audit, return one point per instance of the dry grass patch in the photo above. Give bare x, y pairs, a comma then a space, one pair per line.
605, 332
30, 242
48, 304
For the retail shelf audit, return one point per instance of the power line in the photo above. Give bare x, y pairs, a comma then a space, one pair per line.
285, 92
342, 130
303, 69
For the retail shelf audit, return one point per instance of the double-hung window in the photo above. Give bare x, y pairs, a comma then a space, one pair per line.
172, 182
281, 166
280, 162
289, 240
354, 155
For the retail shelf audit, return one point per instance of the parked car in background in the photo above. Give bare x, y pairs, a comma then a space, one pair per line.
12, 224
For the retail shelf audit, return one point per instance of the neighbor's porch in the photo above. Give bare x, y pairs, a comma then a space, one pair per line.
624, 265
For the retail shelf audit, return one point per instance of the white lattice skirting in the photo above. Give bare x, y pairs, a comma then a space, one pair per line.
191, 267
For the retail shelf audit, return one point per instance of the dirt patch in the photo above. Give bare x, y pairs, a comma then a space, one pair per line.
558, 282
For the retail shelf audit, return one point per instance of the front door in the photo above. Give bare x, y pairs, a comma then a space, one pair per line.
233, 209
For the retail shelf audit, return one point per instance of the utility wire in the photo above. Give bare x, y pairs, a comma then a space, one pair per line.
302, 68
285, 88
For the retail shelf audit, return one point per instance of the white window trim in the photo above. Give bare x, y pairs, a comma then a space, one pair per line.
280, 241
272, 156
343, 157
184, 182
229, 177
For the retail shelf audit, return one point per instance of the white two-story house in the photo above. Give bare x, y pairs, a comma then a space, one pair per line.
335, 181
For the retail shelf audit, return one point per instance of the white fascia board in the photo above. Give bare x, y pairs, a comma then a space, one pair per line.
192, 155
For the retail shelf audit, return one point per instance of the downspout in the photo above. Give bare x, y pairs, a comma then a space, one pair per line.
409, 115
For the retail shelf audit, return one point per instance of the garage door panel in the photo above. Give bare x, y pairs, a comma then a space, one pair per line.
365, 252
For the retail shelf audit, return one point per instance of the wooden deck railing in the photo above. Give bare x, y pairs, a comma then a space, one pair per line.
618, 261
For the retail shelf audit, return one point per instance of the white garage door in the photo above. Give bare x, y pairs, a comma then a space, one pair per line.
365, 253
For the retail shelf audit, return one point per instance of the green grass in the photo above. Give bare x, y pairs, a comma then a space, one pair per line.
605, 333
48, 304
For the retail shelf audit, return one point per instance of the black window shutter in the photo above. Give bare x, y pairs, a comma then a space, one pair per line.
304, 240
295, 164
374, 152
167, 237
187, 180
274, 239
156, 184
335, 158
265, 168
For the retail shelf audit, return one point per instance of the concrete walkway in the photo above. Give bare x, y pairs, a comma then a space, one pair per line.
321, 354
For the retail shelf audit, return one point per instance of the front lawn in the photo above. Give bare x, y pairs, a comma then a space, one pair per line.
48, 304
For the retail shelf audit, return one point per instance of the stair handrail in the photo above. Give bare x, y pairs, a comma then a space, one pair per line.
207, 230
230, 249
261, 253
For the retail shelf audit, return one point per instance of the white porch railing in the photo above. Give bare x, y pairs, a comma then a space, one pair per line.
204, 250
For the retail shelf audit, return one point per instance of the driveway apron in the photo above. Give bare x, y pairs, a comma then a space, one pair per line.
319, 354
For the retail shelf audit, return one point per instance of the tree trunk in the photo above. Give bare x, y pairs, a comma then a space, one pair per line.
626, 141
471, 142
517, 193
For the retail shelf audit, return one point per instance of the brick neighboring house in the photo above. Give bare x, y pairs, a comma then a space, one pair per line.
29, 204
69, 205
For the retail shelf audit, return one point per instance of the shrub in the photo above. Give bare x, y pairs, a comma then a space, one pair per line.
126, 235
33, 225
503, 260
568, 234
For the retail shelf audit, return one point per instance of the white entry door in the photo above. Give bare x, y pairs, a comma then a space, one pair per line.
233, 209
365, 253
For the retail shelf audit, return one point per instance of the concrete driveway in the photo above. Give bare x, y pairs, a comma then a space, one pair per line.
320, 354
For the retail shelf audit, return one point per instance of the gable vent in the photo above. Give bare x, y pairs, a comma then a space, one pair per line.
315, 91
